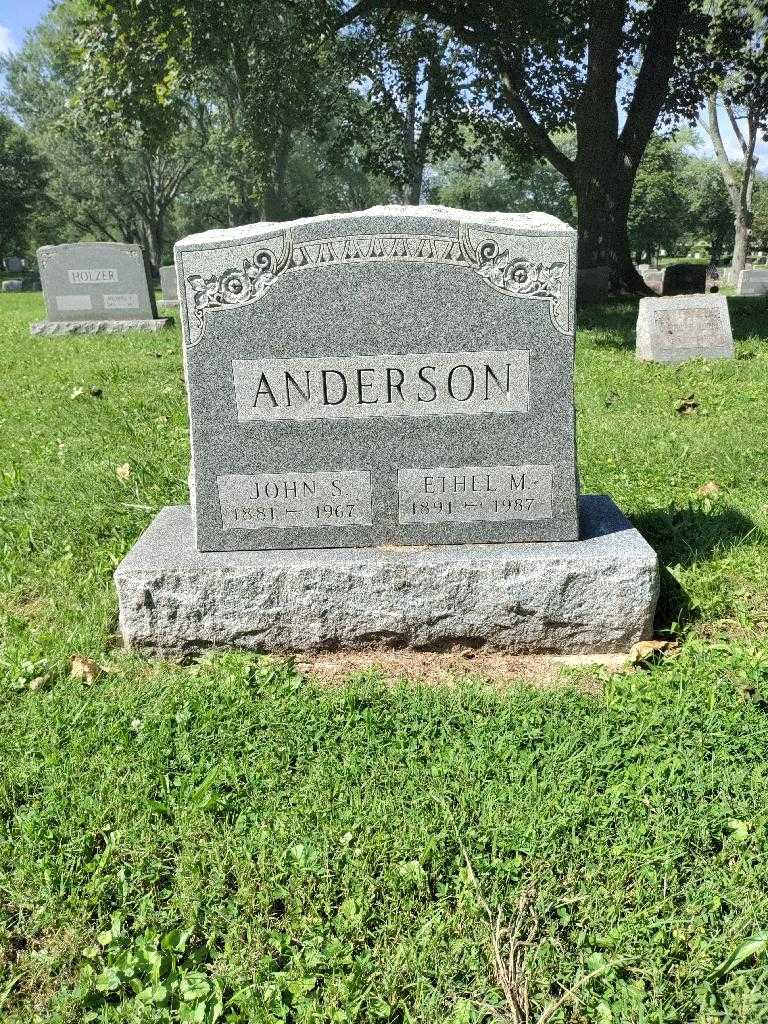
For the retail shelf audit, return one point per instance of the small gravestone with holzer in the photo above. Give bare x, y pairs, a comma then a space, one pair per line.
95, 288
382, 432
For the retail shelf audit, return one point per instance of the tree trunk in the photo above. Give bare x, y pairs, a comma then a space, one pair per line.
740, 246
739, 192
603, 240
275, 198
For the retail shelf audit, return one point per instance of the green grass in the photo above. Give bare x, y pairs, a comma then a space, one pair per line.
227, 840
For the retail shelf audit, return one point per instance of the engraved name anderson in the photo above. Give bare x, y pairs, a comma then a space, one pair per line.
456, 383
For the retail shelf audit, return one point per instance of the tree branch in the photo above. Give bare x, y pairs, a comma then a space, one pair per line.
735, 125
722, 157
537, 135
653, 78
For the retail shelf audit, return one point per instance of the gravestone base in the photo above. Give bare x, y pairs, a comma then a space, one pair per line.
167, 303
592, 596
99, 326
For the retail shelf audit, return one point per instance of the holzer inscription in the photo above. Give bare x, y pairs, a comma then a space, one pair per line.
286, 501
467, 494
414, 384
92, 276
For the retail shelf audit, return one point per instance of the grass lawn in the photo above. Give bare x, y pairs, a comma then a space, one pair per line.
229, 841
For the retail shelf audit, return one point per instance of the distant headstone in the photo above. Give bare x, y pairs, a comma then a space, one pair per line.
395, 385
684, 279
12, 285
593, 284
674, 330
654, 279
14, 264
95, 287
168, 285
753, 282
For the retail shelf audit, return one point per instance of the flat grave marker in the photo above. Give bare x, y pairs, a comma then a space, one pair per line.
676, 329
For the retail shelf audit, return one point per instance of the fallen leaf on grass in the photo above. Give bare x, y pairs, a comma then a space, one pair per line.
709, 490
39, 682
687, 406
645, 650
84, 668
123, 471
77, 393
739, 830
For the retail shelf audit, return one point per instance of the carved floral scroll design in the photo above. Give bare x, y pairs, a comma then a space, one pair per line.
502, 269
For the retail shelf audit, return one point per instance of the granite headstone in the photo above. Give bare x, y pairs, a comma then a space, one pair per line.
753, 282
91, 287
169, 286
654, 279
684, 279
13, 285
14, 264
403, 375
382, 435
679, 328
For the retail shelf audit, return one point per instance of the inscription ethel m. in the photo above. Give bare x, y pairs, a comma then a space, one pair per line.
431, 384
467, 494
286, 501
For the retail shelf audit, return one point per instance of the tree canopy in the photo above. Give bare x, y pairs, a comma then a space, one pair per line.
157, 119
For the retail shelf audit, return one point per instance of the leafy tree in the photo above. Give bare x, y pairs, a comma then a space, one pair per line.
660, 201
411, 74
505, 183
123, 193
760, 214
260, 68
711, 216
569, 65
739, 88
22, 179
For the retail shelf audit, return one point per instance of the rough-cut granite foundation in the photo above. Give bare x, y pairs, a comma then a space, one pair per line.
595, 595
98, 326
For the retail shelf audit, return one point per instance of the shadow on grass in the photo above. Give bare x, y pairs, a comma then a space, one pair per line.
613, 322
749, 317
686, 537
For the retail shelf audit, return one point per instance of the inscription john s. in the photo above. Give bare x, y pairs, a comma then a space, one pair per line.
413, 384
466, 494
294, 500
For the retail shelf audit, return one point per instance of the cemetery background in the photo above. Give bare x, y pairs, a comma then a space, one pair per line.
230, 839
